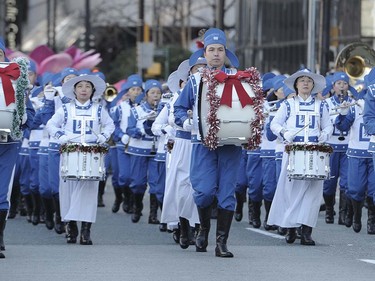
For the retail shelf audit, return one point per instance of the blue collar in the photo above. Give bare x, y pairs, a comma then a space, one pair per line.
83, 107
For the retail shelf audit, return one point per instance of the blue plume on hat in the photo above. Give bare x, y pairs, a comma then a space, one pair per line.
214, 36
152, 84
100, 74
267, 81
329, 85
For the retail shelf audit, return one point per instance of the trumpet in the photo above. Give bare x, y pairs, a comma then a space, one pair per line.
110, 93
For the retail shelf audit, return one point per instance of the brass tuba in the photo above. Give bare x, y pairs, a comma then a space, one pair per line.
356, 60
110, 93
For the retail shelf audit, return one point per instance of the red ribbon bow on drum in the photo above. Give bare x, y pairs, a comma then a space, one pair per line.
11, 72
230, 81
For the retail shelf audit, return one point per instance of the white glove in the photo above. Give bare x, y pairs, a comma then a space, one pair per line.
101, 139
322, 137
169, 130
49, 93
125, 139
63, 139
289, 136
344, 111
188, 125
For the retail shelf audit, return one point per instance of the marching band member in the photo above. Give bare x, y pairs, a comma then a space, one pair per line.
338, 159
211, 171
54, 98
9, 147
70, 123
296, 202
142, 148
267, 155
361, 173
121, 177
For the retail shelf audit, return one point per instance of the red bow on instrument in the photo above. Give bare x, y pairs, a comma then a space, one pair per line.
11, 72
230, 81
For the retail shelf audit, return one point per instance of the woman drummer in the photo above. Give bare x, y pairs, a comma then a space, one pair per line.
296, 202
80, 121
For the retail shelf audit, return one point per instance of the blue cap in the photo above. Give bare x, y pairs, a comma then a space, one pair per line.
68, 71
287, 91
46, 78
370, 78
32, 66
338, 76
214, 36
36, 91
83, 71
278, 82
152, 84
100, 74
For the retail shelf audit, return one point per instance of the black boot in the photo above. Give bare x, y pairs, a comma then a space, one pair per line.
256, 214
184, 233
201, 241
342, 208
101, 193
241, 199
50, 209
14, 200
29, 206
349, 213
250, 208
371, 215
291, 235
3, 216
357, 215
153, 217
224, 220
329, 201
127, 205
118, 200
35, 217
306, 236
137, 207
59, 224
85, 238
267, 206
176, 234
71, 232
214, 209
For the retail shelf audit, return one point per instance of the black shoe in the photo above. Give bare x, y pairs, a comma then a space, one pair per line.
176, 235
281, 231
306, 236
291, 235
85, 238
163, 227
100, 201
71, 232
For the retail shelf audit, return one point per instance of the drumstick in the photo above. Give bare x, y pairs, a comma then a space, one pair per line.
300, 130
97, 135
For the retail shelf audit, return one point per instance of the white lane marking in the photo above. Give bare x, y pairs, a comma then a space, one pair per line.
368, 261
270, 234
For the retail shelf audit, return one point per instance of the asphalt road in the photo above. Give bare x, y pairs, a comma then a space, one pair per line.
124, 250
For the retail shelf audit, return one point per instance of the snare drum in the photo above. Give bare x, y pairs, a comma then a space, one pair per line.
83, 162
235, 121
308, 165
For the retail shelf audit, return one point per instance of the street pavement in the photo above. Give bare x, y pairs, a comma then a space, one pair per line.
124, 250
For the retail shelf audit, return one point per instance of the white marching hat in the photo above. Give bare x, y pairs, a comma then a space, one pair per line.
99, 85
319, 80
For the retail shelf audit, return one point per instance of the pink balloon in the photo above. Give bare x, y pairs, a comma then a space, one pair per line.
56, 63
40, 53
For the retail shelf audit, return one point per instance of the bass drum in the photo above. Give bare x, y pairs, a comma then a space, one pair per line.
234, 122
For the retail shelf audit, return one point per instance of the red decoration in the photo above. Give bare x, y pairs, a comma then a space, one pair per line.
212, 79
11, 72
230, 81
